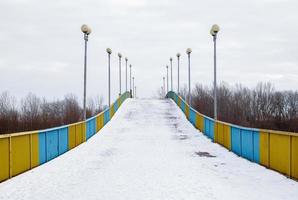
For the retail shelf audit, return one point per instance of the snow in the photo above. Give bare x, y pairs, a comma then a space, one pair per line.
149, 151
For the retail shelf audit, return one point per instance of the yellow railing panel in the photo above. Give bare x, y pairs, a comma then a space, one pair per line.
4, 158
71, 136
264, 148
34, 150
279, 153
20, 154
227, 136
294, 157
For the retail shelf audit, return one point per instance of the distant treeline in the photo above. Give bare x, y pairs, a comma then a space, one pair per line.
260, 107
34, 113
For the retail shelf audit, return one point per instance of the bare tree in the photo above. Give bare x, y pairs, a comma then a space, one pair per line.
30, 108
261, 107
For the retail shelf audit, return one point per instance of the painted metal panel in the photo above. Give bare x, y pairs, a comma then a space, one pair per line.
187, 111
79, 134
264, 148
256, 146
112, 111
192, 117
219, 136
294, 157
206, 127
35, 150
106, 116
280, 153
176, 98
202, 123
4, 158
52, 144
71, 136
198, 121
99, 122
227, 136
211, 128
20, 154
247, 144
63, 140
118, 103
236, 140
101, 118
42, 147
90, 128
93, 127
183, 106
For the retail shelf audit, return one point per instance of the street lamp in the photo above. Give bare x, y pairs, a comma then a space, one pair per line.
171, 61
109, 51
86, 30
120, 56
133, 87
126, 74
164, 87
135, 91
188, 51
167, 78
214, 30
130, 81
178, 58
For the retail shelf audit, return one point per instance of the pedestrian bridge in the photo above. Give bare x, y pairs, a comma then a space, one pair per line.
149, 149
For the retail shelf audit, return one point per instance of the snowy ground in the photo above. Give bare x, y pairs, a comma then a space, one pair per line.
149, 151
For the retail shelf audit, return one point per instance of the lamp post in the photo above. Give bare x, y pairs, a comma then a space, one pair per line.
214, 30
109, 51
178, 59
86, 30
135, 91
130, 91
126, 74
167, 78
171, 61
188, 51
120, 56
164, 87
133, 87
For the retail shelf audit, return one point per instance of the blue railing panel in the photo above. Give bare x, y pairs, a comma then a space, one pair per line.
63, 140
247, 144
236, 140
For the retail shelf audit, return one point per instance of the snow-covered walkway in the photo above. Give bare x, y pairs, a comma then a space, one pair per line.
149, 151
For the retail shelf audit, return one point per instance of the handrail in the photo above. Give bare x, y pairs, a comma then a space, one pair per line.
22, 151
277, 150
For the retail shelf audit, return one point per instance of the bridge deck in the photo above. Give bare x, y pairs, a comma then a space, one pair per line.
149, 151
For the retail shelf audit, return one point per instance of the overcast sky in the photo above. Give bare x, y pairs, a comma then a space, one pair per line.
42, 45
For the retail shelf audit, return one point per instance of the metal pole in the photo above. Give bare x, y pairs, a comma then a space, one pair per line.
215, 87
126, 74
135, 91
109, 75
130, 80
164, 87
171, 60
85, 75
167, 78
119, 75
189, 95
133, 86
178, 90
